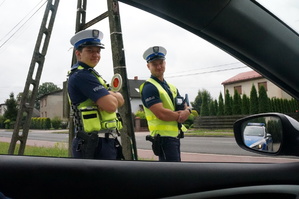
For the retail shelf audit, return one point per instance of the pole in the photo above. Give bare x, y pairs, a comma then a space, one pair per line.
127, 133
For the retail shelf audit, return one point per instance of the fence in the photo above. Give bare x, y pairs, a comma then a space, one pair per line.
223, 122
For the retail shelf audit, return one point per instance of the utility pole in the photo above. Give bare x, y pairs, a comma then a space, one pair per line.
119, 65
127, 133
38, 59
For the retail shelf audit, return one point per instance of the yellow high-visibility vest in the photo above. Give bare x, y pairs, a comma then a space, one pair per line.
157, 126
94, 119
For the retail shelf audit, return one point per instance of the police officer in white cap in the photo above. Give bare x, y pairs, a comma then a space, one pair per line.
93, 104
165, 109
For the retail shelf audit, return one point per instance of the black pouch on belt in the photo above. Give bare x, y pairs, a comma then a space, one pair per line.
90, 143
156, 146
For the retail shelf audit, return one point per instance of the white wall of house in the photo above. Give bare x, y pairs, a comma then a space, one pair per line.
272, 90
52, 106
135, 104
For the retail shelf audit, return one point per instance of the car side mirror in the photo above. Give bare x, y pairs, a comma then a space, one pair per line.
268, 133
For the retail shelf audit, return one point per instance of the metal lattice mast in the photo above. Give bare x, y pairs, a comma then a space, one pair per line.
33, 78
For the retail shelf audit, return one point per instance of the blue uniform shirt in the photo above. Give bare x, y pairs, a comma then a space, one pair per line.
150, 94
83, 85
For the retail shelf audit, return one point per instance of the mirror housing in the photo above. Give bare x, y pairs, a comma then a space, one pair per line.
285, 134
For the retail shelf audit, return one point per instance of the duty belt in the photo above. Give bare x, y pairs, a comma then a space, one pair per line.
107, 133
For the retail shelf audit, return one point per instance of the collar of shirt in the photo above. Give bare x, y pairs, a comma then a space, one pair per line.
164, 85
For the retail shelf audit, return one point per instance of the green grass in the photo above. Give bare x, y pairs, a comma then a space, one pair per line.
210, 133
59, 150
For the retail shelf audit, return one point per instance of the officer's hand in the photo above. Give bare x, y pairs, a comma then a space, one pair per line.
119, 97
183, 115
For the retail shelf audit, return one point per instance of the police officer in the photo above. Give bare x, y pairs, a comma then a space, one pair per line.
93, 104
161, 101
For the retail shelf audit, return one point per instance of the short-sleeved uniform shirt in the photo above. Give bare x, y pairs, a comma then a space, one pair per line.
150, 94
83, 85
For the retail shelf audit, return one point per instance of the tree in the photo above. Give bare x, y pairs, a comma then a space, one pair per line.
43, 89
216, 106
205, 105
198, 100
227, 105
12, 108
220, 105
20, 95
212, 108
236, 109
245, 104
253, 101
263, 100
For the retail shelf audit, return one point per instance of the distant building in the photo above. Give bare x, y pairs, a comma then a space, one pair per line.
243, 83
3, 108
51, 105
136, 103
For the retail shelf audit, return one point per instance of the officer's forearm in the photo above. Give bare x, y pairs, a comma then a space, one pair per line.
167, 115
119, 97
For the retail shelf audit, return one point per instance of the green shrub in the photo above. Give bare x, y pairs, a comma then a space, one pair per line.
140, 114
2, 119
7, 123
56, 122
47, 123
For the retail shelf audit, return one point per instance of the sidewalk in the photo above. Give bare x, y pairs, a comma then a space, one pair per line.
186, 157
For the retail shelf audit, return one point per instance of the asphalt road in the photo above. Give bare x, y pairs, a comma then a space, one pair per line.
211, 145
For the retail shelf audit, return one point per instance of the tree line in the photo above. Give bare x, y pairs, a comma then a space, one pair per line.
237, 104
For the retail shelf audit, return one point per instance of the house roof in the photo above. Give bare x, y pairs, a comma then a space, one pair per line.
245, 76
57, 92
134, 85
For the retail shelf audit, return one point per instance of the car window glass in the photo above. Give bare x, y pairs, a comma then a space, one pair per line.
192, 64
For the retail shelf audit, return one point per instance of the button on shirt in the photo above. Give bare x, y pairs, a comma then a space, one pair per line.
83, 85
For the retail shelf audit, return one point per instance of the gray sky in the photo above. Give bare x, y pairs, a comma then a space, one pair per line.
192, 64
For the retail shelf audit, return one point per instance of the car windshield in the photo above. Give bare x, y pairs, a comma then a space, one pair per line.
254, 131
196, 67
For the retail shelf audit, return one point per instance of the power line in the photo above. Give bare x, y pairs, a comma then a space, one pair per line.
207, 72
21, 25
2, 2
215, 66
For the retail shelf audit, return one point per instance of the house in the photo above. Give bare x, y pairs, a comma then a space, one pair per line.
243, 82
51, 105
136, 103
3, 108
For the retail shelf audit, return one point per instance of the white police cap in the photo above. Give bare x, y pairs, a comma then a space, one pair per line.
90, 37
155, 52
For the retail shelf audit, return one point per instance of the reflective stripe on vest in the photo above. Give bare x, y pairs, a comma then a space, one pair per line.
157, 126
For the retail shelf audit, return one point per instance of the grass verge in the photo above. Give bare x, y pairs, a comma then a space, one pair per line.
210, 133
59, 150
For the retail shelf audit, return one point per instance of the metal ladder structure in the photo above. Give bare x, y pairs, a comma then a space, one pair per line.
127, 133
33, 78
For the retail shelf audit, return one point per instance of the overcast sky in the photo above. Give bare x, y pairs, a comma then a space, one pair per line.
192, 64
